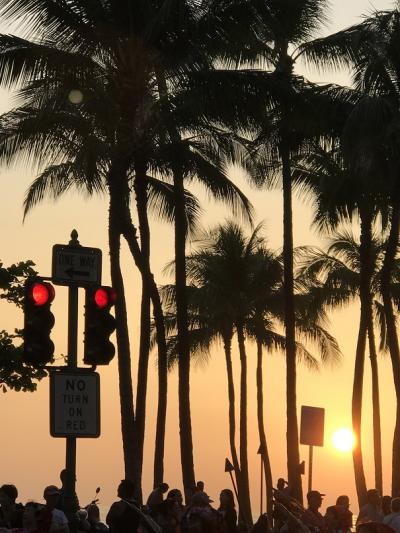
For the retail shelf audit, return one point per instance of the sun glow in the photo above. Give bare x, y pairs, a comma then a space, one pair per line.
343, 440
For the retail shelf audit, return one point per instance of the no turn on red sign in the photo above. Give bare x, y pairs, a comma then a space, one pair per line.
74, 404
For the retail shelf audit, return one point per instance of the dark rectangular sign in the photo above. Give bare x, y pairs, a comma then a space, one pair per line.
312, 425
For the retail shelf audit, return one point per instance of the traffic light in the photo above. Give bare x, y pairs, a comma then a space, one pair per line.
99, 324
38, 322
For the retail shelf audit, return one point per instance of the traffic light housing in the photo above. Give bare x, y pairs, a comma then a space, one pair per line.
38, 322
99, 324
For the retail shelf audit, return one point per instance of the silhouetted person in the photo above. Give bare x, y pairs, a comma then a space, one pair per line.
371, 511
11, 513
228, 511
200, 517
262, 525
338, 517
312, 517
59, 521
175, 496
281, 484
36, 518
123, 516
386, 505
393, 519
200, 486
156, 497
62, 502
168, 514
93, 517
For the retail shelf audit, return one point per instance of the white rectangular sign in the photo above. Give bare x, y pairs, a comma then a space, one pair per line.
76, 265
74, 404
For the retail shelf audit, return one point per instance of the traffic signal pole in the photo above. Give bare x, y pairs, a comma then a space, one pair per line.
70, 456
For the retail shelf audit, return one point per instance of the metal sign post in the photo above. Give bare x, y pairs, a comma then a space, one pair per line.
74, 266
310, 466
70, 455
311, 433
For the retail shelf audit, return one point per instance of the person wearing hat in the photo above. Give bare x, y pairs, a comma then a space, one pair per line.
59, 522
312, 517
199, 516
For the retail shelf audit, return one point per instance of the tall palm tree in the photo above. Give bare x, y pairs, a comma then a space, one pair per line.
371, 50
119, 78
297, 114
337, 273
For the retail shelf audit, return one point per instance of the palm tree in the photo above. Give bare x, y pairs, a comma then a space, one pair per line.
236, 286
296, 112
347, 187
124, 144
337, 273
371, 50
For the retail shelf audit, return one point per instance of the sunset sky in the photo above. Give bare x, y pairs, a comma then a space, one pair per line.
31, 459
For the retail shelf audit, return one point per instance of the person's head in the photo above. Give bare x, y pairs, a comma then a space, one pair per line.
314, 499
175, 495
395, 505
8, 494
226, 499
200, 486
126, 489
64, 477
343, 501
386, 503
373, 497
200, 499
93, 513
163, 487
30, 516
281, 483
51, 495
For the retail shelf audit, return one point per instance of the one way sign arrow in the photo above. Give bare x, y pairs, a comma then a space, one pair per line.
72, 273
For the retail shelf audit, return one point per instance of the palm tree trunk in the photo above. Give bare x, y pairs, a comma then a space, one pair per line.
185, 423
129, 232
232, 418
367, 217
129, 441
376, 411
181, 228
292, 433
358, 381
393, 343
162, 390
140, 186
244, 467
261, 430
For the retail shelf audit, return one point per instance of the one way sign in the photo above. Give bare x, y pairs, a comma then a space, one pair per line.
76, 265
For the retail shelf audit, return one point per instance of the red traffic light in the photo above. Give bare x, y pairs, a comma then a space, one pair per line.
42, 293
104, 297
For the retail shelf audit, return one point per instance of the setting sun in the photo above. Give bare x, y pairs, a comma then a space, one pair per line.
343, 440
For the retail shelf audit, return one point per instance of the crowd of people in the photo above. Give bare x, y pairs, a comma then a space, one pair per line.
165, 512
378, 515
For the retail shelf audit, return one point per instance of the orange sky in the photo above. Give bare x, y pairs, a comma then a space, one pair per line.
31, 459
